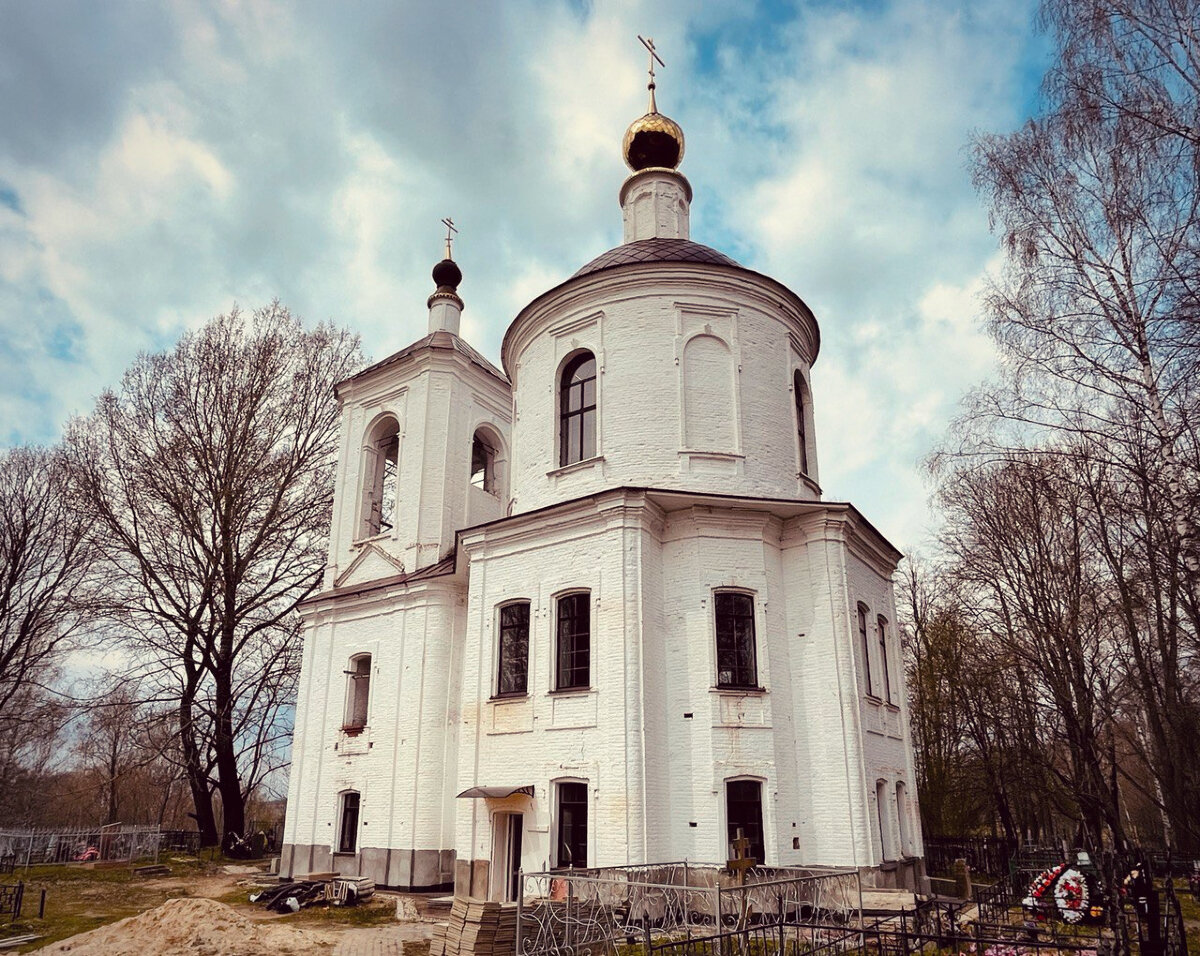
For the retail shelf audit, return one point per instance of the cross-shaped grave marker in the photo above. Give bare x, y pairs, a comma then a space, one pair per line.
742, 861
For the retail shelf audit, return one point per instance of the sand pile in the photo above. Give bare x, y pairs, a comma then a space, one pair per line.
194, 927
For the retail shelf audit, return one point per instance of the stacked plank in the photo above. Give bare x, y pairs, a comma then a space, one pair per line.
477, 928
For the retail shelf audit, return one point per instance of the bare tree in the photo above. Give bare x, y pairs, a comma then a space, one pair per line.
209, 477
44, 560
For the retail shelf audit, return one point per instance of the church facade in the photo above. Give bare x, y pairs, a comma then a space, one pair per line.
591, 609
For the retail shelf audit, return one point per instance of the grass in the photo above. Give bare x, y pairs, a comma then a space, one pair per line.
78, 899
1190, 908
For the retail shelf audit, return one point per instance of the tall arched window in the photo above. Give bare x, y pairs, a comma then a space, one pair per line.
380, 460
577, 410
902, 819
883, 658
881, 816
801, 397
348, 825
358, 693
865, 644
483, 463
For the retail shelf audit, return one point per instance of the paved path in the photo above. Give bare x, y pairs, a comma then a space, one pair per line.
381, 940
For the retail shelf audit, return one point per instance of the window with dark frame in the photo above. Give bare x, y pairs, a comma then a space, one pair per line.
572, 825
866, 648
577, 410
574, 625
743, 810
736, 662
348, 834
799, 394
513, 676
883, 658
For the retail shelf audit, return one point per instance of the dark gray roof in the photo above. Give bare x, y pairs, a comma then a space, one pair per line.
440, 339
656, 250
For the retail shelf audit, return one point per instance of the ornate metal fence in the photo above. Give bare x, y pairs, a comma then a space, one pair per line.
685, 907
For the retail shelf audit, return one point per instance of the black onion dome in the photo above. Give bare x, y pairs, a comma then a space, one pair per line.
656, 250
447, 275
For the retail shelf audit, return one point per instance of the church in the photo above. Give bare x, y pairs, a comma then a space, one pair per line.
589, 608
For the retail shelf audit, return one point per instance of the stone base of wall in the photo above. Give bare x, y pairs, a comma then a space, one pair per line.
393, 869
906, 874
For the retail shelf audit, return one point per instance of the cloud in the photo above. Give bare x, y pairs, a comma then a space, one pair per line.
161, 163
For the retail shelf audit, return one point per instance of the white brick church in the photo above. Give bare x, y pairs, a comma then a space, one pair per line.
591, 609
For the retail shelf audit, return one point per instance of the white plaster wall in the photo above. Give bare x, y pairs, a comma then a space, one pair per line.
398, 763
638, 326
439, 400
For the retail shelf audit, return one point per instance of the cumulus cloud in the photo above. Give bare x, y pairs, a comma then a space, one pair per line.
162, 163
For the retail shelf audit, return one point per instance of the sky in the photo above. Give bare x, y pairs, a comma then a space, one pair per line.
160, 162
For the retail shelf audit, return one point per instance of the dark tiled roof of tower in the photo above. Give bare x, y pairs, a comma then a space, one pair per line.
656, 250
434, 340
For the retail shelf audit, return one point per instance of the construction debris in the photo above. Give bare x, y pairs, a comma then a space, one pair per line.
294, 896
477, 927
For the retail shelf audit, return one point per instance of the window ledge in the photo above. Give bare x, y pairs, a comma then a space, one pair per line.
575, 466
739, 691
355, 730
363, 542
571, 692
872, 699
720, 455
502, 698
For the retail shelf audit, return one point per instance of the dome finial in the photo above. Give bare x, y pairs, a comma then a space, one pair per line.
649, 45
444, 305
654, 140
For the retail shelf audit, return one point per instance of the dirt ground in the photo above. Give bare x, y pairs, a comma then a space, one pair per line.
201, 908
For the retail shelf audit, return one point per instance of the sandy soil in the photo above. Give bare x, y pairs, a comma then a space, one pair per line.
196, 927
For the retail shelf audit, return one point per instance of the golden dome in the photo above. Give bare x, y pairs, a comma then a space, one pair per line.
653, 140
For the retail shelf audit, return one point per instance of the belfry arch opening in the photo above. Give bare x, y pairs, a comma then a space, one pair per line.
381, 459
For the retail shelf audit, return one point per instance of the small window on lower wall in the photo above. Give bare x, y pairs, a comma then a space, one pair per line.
743, 811
572, 825
737, 665
348, 831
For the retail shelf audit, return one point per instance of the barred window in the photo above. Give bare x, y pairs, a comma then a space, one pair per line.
865, 643
736, 664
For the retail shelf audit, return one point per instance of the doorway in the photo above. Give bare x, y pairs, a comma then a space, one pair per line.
506, 864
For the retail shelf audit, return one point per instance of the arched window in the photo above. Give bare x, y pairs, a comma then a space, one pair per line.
358, 693
573, 619
885, 831
572, 830
743, 812
902, 819
577, 410
380, 461
883, 658
483, 463
348, 825
737, 665
513, 676
865, 644
801, 397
